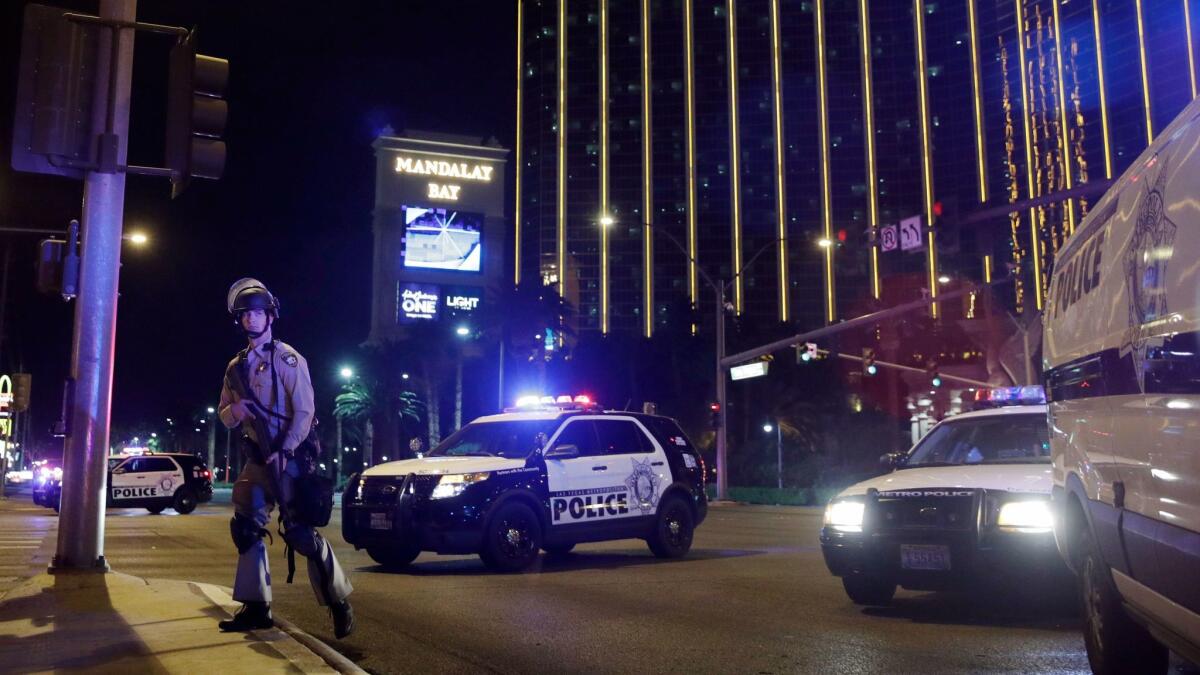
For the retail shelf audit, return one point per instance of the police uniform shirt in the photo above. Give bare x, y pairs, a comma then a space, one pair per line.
287, 391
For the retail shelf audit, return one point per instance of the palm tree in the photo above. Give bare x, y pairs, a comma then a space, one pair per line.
517, 319
364, 401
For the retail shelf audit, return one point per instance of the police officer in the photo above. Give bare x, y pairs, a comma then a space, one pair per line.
268, 393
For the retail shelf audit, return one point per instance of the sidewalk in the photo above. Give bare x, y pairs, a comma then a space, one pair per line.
116, 623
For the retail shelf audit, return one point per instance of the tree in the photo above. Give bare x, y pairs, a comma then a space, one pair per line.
366, 401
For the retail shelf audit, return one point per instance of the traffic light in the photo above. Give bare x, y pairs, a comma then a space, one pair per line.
196, 115
935, 378
21, 384
806, 352
715, 412
868, 363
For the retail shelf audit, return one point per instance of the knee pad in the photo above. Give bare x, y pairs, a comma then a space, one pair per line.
245, 532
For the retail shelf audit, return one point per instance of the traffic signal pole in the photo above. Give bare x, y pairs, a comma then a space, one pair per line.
722, 463
81, 520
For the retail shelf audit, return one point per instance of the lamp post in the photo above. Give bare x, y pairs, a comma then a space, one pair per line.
212, 438
720, 288
347, 374
778, 429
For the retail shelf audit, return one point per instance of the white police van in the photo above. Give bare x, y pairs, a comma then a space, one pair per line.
968, 504
546, 475
1122, 362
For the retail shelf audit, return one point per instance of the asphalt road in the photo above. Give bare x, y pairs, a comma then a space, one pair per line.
752, 597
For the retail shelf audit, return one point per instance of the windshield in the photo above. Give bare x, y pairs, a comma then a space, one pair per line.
513, 439
1007, 439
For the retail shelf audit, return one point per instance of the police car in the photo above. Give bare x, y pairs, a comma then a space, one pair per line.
968, 503
546, 475
152, 481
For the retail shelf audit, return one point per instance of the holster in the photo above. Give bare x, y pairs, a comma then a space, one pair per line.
246, 532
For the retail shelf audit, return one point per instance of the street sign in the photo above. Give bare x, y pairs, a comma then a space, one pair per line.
748, 370
889, 240
910, 233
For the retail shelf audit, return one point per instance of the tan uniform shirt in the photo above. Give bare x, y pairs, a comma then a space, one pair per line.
286, 389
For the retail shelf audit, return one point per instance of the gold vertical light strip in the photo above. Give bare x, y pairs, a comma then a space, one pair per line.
647, 178
561, 242
987, 269
1108, 168
690, 104
1187, 31
926, 155
823, 117
735, 159
605, 214
1145, 72
780, 178
1034, 231
864, 24
977, 90
517, 179
1068, 173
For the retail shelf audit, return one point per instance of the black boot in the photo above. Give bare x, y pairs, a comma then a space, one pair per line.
343, 619
252, 616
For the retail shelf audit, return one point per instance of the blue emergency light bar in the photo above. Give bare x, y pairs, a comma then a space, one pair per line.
1032, 394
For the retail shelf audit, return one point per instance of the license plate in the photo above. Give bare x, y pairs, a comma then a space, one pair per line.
924, 557
381, 521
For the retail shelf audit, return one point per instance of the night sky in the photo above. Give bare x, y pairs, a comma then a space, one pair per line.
312, 83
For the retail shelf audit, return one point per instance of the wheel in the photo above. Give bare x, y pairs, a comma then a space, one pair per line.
155, 509
558, 549
185, 501
865, 590
393, 557
672, 536
512, 538
1115, 643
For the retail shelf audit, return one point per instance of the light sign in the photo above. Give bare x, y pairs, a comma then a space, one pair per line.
442, 239
748, 370
461, 300
416, 302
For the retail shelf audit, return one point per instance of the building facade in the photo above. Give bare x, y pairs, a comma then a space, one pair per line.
780, 144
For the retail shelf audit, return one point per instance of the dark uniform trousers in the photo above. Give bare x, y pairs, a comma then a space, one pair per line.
252, 498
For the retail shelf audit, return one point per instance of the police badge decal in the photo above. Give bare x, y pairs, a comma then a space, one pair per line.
643, 486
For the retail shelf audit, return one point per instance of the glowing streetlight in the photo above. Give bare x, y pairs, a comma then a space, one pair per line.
211, 410
607, 221
824, 242
462, 331
346, 372
944, 279
404, 376
768, 428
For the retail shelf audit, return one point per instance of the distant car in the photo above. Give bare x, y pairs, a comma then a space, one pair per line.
152, 481
544, 476
971, 500
46, 477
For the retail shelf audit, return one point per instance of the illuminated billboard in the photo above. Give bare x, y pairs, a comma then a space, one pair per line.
442, 239
416, 302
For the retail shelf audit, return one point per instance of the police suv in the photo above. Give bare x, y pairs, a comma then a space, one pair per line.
546, 475
151, 481
1122, 363
969, 503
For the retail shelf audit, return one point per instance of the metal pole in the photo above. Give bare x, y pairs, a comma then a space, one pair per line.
228, 450
779, 453
341, 458
500, 387
81, 521
723, 413
212, 443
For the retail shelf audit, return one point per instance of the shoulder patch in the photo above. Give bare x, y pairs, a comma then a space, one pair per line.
291, 359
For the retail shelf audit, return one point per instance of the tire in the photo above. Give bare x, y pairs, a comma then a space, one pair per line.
865, 590
1115, 643
558, 549
512, 538
673, 529
155, 509
393, 557
185, 501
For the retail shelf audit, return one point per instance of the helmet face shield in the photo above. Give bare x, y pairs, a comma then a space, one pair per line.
246, 294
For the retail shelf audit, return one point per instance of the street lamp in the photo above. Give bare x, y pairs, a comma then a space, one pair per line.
944, 279
778, 429
137, 238
346, 372
462, 331
824, 242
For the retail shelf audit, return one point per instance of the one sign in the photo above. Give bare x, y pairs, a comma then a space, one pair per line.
417, 302
889, 239
910, 233
748, 370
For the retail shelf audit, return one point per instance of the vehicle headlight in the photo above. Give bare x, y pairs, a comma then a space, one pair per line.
845, 516
57, 473
1032, 516
452, 484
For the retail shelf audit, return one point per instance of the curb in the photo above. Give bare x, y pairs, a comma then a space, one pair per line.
335, 659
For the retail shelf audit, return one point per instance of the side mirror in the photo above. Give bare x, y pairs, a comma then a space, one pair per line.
563, 452
118, 471
891, 460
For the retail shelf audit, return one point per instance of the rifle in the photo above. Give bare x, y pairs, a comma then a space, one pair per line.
260, 450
